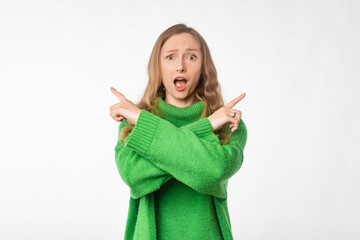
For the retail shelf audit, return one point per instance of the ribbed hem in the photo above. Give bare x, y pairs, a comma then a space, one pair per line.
142, 134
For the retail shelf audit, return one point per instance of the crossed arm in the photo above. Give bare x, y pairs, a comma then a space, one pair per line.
156, 150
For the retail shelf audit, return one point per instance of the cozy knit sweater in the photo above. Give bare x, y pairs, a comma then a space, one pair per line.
177, 172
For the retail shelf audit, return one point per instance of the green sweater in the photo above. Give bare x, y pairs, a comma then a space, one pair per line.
177, 172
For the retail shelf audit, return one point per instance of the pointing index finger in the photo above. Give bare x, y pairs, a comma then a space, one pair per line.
120, 96
233, 102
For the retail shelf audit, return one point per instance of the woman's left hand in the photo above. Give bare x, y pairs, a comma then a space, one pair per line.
227, 114
125, 109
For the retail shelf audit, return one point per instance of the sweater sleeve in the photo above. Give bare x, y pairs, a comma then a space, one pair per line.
140, 174
200, 163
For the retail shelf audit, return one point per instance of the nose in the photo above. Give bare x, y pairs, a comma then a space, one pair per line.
181, 67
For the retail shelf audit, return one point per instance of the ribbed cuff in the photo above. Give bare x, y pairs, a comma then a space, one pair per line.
202, 128
142, 134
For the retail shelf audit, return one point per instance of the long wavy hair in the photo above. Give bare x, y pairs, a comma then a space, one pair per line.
208, 89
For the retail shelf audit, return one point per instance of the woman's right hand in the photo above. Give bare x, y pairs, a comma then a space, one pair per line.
226, 114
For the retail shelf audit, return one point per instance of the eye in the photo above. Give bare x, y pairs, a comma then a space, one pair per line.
170, 56
194, 57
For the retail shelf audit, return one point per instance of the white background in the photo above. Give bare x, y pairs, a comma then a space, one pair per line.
298, 62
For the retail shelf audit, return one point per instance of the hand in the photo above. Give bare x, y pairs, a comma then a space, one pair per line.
226, 114
125, 109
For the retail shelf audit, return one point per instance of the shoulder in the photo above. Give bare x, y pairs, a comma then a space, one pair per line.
239, 136
123, 124
242, 125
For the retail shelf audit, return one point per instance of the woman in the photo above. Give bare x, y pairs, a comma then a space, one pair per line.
179, 145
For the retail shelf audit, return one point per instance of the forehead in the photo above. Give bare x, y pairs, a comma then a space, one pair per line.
181, 41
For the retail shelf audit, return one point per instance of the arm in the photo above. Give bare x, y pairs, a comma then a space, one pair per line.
137, 172
140, 174
199, 163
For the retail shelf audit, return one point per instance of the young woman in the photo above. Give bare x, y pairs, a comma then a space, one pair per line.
179, 145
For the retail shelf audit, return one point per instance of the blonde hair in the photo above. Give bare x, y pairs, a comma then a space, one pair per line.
208, 89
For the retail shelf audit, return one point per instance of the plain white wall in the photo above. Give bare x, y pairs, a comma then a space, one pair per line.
298, 62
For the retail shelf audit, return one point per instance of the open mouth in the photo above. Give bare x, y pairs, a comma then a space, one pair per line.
180, 83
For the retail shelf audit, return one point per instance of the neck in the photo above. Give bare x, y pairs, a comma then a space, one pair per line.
180, 116
181, 103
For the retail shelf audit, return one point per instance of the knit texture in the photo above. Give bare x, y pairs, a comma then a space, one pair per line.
177, 151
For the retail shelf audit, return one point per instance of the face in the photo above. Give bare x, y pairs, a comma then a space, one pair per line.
180, 57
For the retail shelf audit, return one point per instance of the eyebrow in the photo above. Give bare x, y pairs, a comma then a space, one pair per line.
190, 49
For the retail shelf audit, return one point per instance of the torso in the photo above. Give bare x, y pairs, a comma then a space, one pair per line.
183, 213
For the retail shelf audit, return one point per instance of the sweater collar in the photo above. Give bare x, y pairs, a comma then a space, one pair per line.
180, 116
